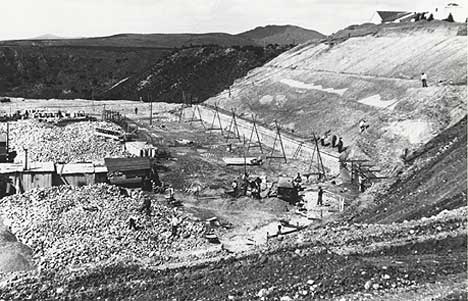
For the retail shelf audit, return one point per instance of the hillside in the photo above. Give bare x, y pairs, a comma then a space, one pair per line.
110, 67
69, 72
195, 73
281, 34
434, 180
332, 86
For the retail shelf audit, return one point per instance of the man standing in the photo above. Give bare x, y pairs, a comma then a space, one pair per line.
334, 139
340, 145
424, 80
174, 224
320, 196
146, 207
363, 126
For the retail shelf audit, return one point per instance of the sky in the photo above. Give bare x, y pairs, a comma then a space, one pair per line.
89, 18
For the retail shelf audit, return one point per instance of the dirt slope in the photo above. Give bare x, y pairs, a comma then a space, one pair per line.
435, 181
375, 77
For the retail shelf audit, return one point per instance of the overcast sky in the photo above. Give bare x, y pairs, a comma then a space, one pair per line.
77, 18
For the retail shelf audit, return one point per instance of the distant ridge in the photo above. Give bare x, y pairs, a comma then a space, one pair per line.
48, 36
281, 34
260, 36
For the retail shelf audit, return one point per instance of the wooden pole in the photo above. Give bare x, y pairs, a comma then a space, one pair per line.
281, 142
151, 109
245, 159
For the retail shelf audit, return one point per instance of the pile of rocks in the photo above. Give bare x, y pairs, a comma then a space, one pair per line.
69, 226
74, 142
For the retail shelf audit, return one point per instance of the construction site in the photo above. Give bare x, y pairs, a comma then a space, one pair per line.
328, 173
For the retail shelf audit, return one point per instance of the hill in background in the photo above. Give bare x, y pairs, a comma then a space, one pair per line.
259, 36
51, 67
281, 34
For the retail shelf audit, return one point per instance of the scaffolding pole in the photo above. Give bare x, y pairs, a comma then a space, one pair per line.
252, 133
194, 118
233, 128
280, 140
216, 118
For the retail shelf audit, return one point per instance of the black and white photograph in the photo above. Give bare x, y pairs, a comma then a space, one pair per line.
270, 150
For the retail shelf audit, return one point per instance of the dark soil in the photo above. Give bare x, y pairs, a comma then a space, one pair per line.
194, 74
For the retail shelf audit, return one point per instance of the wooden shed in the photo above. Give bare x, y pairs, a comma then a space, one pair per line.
75, 174
37, 175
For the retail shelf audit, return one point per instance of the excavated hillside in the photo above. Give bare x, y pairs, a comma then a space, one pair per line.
332, 86
434, 180
193, 73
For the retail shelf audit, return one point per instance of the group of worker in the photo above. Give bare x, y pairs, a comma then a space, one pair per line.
247, 185
335, 141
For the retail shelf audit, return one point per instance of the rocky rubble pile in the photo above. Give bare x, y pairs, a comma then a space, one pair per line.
348, 239
68, 226
71, 143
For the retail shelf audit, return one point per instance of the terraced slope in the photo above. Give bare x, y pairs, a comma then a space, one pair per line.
315, 88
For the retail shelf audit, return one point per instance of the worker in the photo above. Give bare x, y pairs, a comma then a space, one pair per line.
136, 111
362, 185
340, 145
255, 188
146, 206
320, 196
324, 140
279, 230
334, 139
235, 189
363, 126
170, 193
234, 186
174, 225
297, 180
132, 223
424, 79
404, 156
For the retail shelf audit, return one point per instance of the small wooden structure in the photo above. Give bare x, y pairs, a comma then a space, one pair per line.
37, 175
75, 174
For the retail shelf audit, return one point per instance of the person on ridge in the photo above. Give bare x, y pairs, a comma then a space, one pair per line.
424, 79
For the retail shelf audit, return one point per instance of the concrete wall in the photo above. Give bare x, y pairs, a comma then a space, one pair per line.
267, 136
